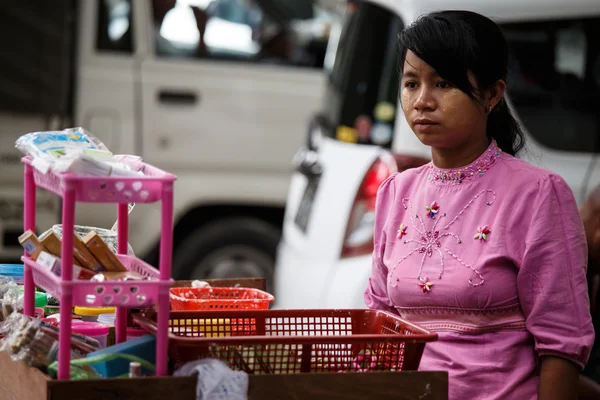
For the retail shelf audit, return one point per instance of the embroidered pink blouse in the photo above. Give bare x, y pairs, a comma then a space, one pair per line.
492, 257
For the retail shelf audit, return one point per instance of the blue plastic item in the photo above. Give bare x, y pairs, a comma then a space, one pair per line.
15, 271
143, 347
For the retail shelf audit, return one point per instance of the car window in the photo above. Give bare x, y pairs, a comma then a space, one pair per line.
114, 31
362, 92
239, 30
554, 81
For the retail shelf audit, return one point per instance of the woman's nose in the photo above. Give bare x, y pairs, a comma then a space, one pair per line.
425, 100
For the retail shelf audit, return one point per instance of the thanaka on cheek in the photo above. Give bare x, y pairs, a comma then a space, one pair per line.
405, 98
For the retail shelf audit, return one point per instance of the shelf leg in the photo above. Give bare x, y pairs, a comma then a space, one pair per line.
122, 228
166, 255
29, 224
162, 340
122, 240
121, 325
66, 297
166, 231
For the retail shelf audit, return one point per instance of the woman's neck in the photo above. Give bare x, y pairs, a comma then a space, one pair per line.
448, 158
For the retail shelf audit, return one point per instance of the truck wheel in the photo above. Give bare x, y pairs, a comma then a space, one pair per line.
229, 248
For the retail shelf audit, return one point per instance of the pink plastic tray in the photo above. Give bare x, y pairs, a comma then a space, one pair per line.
90, 189
109, 293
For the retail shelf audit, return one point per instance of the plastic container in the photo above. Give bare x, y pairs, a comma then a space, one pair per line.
14, 271
218, 298
92, 329
292, 341
41, 298
107, 319
90, 314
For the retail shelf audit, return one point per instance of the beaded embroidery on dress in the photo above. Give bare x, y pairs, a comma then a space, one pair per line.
429, 233
468, 172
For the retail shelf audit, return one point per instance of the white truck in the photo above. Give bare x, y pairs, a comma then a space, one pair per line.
217, 92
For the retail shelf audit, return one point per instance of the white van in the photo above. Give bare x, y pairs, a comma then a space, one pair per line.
218, 94
324, 259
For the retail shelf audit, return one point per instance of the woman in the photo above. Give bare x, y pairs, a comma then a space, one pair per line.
480, 247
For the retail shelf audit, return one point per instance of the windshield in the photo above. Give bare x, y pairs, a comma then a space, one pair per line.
362, 91
266, 31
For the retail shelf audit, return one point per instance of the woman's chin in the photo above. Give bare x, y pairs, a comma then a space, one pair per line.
432, 140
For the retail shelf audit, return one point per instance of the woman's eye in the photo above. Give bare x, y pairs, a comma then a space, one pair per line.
444, 84
410, 85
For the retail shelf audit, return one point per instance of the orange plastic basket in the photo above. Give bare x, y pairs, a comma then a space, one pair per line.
293, 341
217, 298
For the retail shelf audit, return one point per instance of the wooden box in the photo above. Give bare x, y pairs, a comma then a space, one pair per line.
20, 382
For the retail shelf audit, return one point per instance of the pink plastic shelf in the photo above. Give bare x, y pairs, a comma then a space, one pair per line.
91, 189
135, 294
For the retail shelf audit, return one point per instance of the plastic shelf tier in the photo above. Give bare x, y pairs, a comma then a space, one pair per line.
155, 185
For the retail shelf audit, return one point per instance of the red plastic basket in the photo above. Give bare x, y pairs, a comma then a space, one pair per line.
292, 341
195, 299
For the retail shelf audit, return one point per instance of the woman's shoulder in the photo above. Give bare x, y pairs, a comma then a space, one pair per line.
528, 177
403, 178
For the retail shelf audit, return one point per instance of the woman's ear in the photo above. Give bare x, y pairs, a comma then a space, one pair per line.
495, 94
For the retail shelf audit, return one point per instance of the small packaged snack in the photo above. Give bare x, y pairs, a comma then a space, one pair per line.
24, 340
10, 298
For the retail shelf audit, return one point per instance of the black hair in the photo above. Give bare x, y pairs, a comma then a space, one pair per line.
455, 43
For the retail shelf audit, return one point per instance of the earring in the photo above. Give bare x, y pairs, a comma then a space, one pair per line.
489, 109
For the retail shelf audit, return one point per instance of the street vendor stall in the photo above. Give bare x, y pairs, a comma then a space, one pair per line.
180, 340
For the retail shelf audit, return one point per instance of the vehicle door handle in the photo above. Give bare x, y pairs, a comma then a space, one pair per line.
177, 97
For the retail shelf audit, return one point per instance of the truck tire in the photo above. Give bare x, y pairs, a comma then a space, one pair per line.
238, 247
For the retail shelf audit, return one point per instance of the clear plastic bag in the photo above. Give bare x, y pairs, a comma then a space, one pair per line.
77, 151
49, 146
109, 236
11, 299
25, 341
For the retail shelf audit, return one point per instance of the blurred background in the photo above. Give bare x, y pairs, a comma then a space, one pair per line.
218, 92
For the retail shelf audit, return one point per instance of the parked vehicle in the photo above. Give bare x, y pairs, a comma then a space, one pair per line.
324, 259
218, 92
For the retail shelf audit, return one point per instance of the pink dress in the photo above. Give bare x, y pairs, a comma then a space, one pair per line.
492, 257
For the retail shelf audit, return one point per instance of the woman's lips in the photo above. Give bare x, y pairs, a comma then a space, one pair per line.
424, 125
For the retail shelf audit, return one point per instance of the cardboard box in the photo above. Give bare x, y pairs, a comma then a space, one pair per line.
102, 252
31, 244
81, 255
20, 382
84, 257
53, 263
51, 242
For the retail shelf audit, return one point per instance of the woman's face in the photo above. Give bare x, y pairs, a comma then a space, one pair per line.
441, 115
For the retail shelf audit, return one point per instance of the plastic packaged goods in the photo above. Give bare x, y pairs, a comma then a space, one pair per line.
24, 340
48, 147
76, 151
